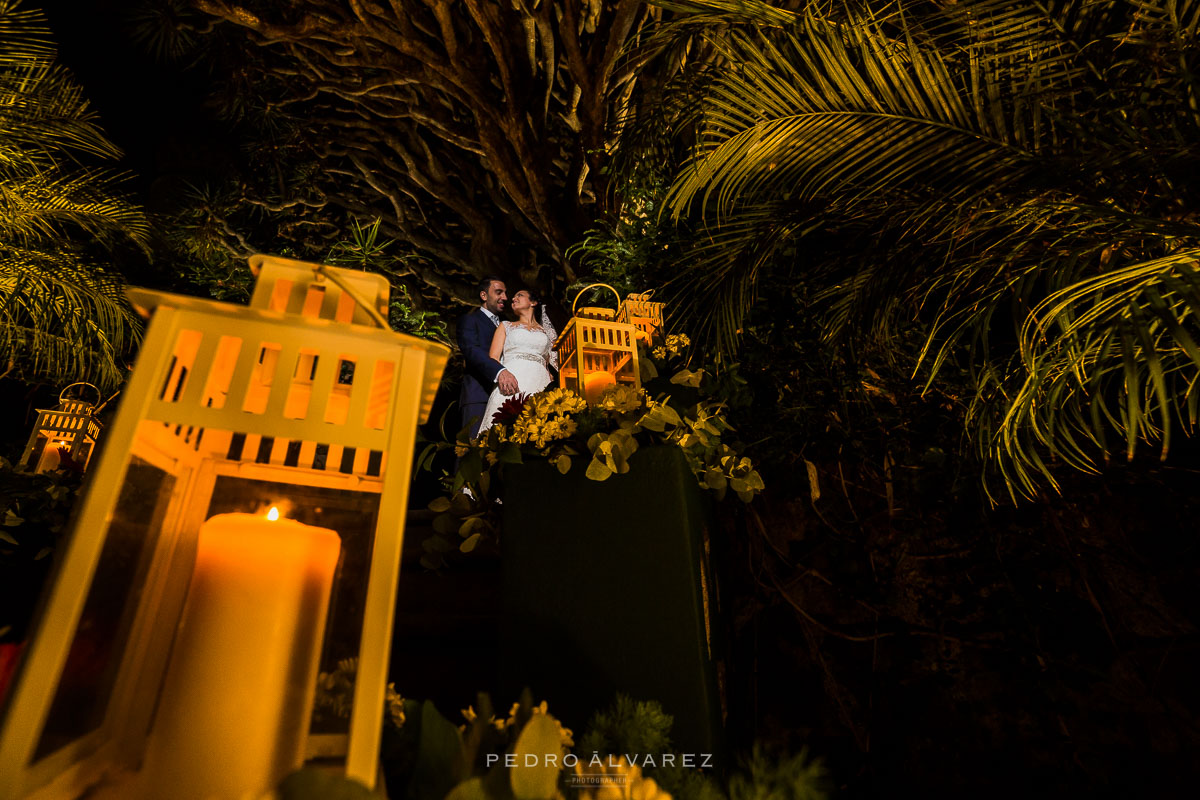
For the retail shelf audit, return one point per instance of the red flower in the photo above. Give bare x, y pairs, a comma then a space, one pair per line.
510, 409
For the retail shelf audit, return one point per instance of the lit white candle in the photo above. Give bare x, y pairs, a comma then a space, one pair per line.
594, 385
238, 693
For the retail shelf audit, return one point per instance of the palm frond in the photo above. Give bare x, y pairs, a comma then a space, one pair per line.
62, 317
1009, 181
24, 36
43, 111
832, 108
45, 205
1115, 352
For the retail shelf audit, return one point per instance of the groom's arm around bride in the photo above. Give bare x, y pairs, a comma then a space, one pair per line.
475, 331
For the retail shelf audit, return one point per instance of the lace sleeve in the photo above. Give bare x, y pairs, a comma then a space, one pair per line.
552, 334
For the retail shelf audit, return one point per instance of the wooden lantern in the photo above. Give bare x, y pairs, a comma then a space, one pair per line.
177, 647
64, 435
596, 351
645, 315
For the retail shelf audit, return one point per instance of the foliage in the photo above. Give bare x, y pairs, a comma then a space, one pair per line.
629, 726
477, 133
559, 426
34, 511
797, 777
335, 695
979, 188
63, 316
360, 248
365, 251
485, 759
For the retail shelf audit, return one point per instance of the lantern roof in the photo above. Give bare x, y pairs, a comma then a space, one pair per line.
283, 293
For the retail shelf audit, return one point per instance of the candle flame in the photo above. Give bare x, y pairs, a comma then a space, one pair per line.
273, 514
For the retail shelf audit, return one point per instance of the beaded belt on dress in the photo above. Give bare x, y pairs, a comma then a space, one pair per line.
525, 357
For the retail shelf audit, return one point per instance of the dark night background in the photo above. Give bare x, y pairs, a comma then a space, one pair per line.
1053, 648
154, 111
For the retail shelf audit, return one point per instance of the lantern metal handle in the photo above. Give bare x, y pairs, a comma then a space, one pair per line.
372, 312
61, 398
593, 286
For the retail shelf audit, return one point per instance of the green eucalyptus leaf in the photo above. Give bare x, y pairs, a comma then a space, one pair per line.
653, 421
598, 471
425, 459
471, 466
439, 764
470, 543
685, 377
536, 775
436, 544
439, 505
472, 789
510, 453
460, 504
714, 479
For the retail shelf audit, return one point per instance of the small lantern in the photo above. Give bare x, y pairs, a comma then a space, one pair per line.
241, 530
596, 351
64, 436
643, 314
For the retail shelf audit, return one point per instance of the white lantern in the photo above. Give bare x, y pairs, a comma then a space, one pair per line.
65, 434
176, 651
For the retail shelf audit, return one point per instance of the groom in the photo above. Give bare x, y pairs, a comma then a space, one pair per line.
475, 331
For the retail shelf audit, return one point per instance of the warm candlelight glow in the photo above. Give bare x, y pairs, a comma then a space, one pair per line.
238, 694
595, 383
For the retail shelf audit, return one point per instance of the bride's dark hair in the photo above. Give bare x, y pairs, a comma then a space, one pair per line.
540, 313
533, 295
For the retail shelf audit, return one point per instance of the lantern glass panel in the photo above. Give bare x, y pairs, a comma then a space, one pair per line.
103, 634
353, 515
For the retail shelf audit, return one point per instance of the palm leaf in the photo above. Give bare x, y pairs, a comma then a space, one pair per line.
62, 318
1012, 181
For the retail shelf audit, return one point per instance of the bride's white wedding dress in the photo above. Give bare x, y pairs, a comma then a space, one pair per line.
527, 352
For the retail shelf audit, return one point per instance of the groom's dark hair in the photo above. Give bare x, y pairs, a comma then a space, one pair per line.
485, 283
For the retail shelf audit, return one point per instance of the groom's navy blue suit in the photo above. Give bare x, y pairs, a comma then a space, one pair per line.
475, 332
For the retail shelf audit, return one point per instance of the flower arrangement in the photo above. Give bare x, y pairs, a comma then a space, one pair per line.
689, 412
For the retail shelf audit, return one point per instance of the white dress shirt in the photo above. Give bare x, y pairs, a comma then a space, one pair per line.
495, 321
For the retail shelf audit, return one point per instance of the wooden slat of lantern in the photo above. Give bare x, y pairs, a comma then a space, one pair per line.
643, 314
304, 400
595, 351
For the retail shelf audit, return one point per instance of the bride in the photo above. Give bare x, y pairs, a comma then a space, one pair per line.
525, 348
